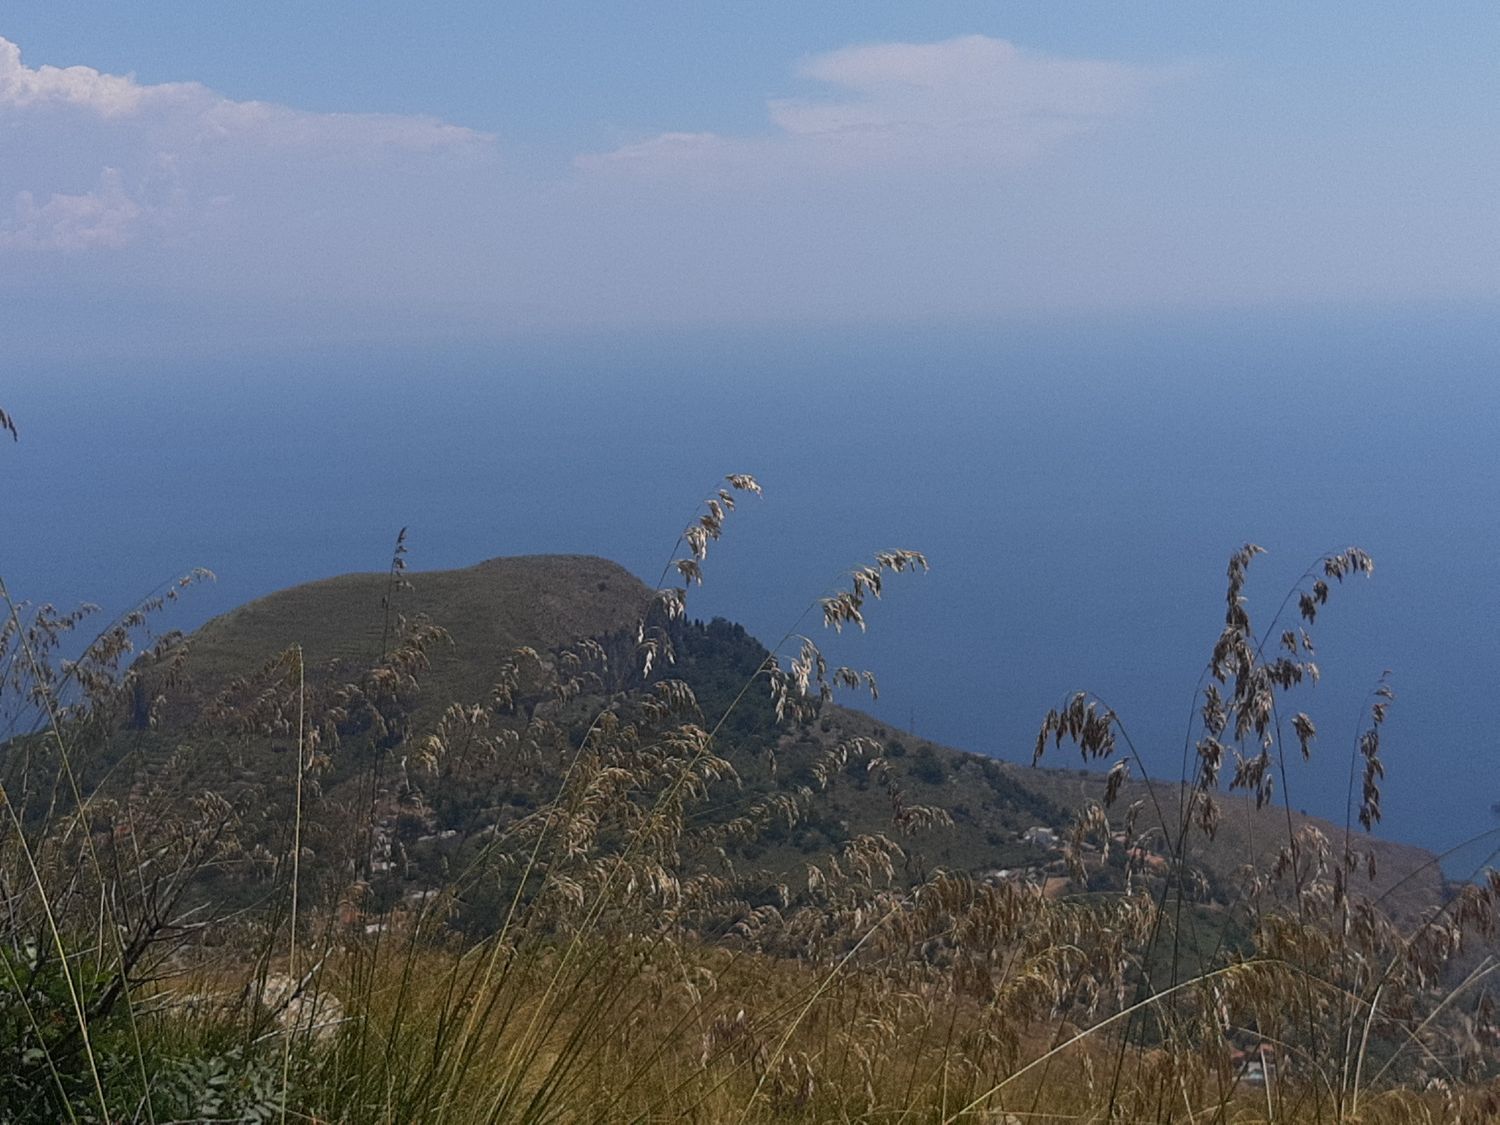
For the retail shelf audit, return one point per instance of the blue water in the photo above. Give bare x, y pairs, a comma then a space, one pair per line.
1077, 486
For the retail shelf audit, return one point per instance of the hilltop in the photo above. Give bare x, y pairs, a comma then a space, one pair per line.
487, 610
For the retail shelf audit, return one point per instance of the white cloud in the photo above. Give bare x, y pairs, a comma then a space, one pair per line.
108, 95
183, 132
189, 111
106, 217
971, 100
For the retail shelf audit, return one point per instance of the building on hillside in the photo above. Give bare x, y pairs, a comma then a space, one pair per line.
1040, 836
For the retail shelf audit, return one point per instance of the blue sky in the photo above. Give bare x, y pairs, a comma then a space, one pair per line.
356, 171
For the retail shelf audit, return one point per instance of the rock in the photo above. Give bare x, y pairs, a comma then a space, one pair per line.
308, 1012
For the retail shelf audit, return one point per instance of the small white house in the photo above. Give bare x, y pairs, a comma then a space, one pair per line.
1040, 836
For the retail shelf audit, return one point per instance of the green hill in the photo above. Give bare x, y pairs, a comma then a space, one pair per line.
546, 602
531, 784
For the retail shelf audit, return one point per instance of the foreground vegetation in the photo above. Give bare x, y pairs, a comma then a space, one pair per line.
629, 867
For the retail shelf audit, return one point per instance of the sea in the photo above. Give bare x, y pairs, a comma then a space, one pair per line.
1077, 484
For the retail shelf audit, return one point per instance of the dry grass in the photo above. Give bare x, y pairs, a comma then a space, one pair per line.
529, 899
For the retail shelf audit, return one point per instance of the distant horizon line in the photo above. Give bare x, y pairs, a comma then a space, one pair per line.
162, 330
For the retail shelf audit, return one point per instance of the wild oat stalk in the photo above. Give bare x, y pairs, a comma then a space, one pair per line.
595, 942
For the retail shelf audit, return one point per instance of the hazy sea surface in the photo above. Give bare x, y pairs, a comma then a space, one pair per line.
1077, 486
